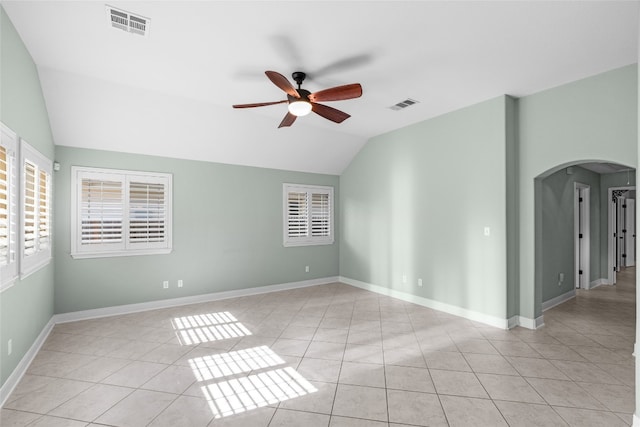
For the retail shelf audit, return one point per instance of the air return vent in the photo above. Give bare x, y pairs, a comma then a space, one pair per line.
128, 22
403, 104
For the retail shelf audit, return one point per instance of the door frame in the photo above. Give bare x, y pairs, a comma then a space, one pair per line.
611, 212
582, 225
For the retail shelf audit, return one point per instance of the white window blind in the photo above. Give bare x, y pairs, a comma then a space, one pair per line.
36, 210
29, 208
101, 206
320, 214
147, 212
308, 215
297, 214
44, 210
118, 213
8, 208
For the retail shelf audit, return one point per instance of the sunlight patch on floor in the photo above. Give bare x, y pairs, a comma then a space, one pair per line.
255, 391
201, 328
234, 362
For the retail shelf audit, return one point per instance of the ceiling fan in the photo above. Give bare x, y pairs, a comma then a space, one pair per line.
302, 102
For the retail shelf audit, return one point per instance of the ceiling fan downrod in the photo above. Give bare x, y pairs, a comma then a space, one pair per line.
298, 77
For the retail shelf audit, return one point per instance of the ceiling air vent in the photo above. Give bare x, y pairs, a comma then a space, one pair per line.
128, 22
403, 104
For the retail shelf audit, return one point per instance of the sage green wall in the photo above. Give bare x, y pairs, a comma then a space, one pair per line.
557, 202
513, 217
227, 235
415, 201
590, 119
27, 306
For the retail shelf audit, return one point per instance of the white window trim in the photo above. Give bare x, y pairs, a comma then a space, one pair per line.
306, 240
9, 273
80, 252
31, 264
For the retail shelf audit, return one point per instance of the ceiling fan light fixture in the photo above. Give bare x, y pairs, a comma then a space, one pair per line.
300, 108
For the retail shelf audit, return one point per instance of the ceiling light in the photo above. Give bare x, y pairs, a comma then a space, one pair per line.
300, 108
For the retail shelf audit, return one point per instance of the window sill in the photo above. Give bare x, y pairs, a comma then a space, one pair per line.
8, 284
33, 268
86, 255
308, 243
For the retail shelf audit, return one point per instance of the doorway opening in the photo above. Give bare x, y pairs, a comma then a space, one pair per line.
621, 230
574, 250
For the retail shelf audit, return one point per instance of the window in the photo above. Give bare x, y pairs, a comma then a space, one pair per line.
36, 210
308, 215
8, 207
119, 213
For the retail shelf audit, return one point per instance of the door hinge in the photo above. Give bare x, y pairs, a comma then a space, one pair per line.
580, 236
624, 255
580, 199
579, 271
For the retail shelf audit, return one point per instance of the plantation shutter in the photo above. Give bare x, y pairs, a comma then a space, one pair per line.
29, 213
101, 210
5, 228
147, 212
120, 213
36, 210
297, 214
44, 208
8, 208
308, 218
8, 223
320, 214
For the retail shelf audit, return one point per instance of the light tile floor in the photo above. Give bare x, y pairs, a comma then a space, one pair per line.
335, 356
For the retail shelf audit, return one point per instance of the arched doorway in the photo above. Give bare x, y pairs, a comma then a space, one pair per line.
573, 220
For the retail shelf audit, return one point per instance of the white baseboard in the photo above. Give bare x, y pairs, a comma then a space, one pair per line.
528, 323
426, 302
598, 282
558, 300
513, 321
636, 421
21, 369
194, 299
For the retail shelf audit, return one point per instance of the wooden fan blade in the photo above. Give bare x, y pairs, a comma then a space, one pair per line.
282, 82
329, 113
259, 104
288, 120
337, 93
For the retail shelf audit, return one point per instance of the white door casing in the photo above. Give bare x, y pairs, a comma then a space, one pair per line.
582, 235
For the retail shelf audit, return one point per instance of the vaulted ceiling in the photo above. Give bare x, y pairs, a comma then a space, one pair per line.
170, 93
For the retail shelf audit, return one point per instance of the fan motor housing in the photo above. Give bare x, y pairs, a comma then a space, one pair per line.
304, 95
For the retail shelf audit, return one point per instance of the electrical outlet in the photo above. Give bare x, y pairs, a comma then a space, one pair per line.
560, 279
9, 347
404, 278
420, 282
180, 283
487, 231
165, 284
306, 268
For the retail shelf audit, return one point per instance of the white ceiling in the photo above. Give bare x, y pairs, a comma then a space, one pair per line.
171, 94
